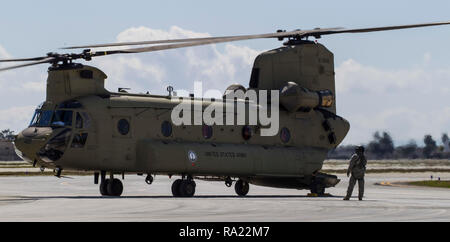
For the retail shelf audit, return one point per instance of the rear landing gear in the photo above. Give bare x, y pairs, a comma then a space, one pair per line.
114, 187
111, 187
317, 188
241, 187
183, 188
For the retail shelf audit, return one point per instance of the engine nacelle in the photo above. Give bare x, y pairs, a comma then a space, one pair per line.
293, 97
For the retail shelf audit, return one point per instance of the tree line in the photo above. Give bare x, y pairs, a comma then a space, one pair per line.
382, 147
7, 135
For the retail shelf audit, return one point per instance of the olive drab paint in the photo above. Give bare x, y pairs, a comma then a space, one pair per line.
144, 149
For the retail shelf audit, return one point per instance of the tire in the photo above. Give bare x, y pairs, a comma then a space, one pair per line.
187, 188
241, 187
317, 188
176, 188
115, 188
104, 187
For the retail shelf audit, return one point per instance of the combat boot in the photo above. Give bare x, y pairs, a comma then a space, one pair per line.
346, 198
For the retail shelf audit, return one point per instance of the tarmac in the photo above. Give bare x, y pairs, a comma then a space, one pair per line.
47, 198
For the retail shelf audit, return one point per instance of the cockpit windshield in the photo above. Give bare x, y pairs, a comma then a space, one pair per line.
58, 118
41, 118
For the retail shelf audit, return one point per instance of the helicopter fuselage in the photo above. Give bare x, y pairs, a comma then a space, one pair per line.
83, 126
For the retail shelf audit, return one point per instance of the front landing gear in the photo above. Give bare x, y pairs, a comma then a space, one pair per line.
183, 188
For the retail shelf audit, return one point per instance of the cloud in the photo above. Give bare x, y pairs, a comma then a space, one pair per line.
216, 66
16, 118
408, 103
3, 53
144, 33
354, 76
21, 90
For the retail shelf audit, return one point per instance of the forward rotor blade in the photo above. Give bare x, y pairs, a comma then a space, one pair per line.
142, 42
46, 60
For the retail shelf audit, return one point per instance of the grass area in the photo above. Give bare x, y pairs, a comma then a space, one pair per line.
435, 183
391, 170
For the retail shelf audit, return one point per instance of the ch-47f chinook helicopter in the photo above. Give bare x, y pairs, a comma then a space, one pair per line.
83, 126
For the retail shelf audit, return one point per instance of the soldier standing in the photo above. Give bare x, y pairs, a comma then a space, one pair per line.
357, 168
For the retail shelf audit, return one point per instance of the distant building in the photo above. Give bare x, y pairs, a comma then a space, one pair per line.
7, 152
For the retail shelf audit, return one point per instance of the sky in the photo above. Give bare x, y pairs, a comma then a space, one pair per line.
395, 81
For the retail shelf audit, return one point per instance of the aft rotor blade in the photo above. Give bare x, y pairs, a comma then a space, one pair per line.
319, 32
220, 39
25, 59
196, 43
46, 60
296, 33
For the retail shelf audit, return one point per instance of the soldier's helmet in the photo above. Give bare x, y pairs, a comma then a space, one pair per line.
360, 148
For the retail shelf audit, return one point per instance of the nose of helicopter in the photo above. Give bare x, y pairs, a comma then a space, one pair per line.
30, 141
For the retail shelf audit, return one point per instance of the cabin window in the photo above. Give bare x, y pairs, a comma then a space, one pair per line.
207, 131
79, 140
123, 126
246, 132
166, 128
285, 135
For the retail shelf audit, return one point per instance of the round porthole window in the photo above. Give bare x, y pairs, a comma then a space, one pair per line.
166, 128
207, 131
285, 135
246, 132
123, 126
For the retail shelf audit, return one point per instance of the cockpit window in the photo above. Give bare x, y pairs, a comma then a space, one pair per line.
46, 118
62, 118
41, 118
87, 120
79, 122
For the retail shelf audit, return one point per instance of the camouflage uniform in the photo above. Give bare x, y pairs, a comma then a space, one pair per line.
357, 168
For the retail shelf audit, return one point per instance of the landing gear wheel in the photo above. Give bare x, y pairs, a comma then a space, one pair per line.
103, 187
187, 188
228, 182
149, 179
114, 187
241, 187
176, 188
317, 188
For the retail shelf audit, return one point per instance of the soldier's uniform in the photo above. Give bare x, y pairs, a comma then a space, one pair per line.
357, 168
